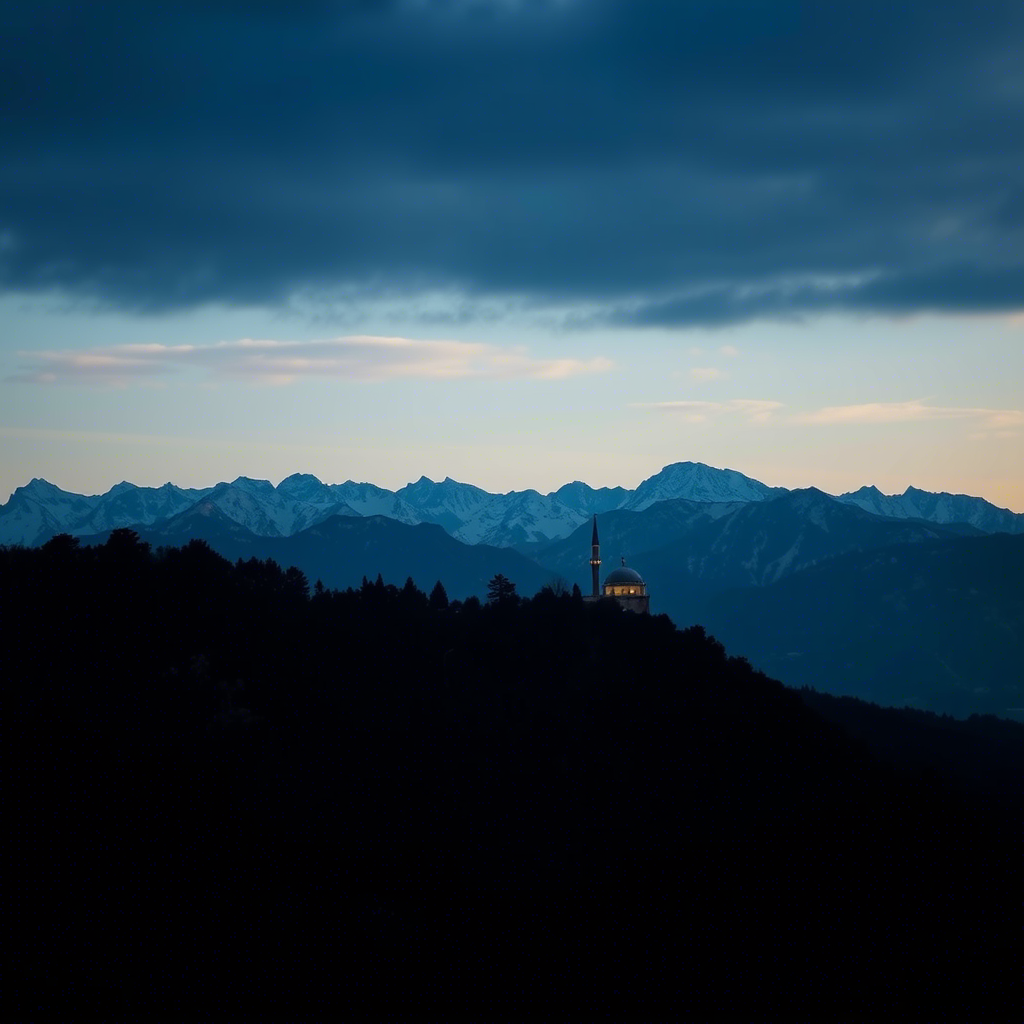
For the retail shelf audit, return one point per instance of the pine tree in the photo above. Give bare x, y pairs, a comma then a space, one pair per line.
439, 597
501, 590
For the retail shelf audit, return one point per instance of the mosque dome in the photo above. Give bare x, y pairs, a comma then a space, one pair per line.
623, 584
624, 575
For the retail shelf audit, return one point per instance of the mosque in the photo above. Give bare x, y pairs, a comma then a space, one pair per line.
624, 584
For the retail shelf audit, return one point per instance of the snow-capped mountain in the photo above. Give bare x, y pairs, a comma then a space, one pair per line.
39, 510
266, 511
697, 482
349, 498
516, 519
448, 503
476, 516
306, 487
588, 500
371, 500
939, 507
520, 517
128, 505
205, 521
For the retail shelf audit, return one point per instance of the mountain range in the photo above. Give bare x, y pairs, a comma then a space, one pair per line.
688, 550
793, 580
527, 520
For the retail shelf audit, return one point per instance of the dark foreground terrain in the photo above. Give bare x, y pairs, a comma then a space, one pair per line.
232, 798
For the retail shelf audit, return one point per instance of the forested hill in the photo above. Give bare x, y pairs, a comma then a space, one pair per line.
235, 798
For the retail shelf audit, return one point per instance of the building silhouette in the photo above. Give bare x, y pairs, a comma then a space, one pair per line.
623, 584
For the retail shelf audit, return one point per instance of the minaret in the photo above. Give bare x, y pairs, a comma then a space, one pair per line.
595, 560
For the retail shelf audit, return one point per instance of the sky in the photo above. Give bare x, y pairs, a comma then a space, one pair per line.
514, 242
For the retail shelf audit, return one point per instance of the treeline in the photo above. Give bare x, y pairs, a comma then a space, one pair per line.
236, 794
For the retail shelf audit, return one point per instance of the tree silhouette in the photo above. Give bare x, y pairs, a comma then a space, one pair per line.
438, 597
61, 545
191, 751
501, 590
559, 586
296, 582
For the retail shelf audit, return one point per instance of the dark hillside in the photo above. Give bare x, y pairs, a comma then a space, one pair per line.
342, 549
938, 625
980, 756
237, 799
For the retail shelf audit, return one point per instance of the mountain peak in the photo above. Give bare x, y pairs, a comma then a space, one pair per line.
38, 485
303, 486
120, 488
804, 499
698, 482
305, 478
257, 488
808, 492
38, 489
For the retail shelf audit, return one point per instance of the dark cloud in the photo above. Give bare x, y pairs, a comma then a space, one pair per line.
672, 162
948, 289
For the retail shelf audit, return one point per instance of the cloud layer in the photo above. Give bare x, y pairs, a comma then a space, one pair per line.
670, 163
988, 423
357, 357
873, 413
754, 409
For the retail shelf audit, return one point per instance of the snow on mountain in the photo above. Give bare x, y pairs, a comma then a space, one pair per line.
447, 496
448, 503
589, 501
697, 482
39, 510
308, 488
872, 500
268, 512
245, 508
127, 505
476, 516
520, 517
257, 488
349, 498
203, 520
940, 507
371, 500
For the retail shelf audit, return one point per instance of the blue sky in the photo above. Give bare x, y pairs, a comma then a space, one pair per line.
516, 243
